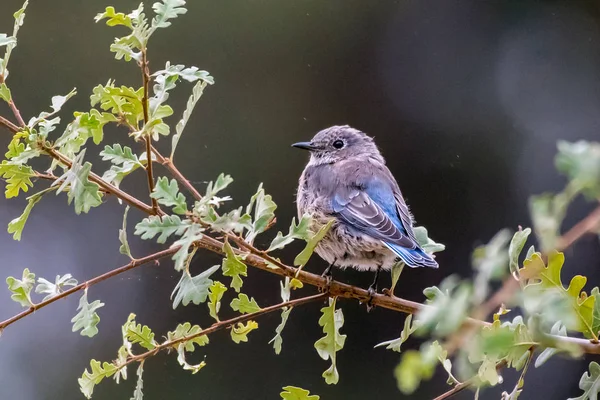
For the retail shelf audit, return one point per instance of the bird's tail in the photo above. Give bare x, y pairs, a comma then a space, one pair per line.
414, 258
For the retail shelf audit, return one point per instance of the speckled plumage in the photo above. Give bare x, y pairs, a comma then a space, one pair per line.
352, 184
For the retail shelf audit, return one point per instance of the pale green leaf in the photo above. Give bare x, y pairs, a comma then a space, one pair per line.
16, 225
580, 161
395, 344
21, 288
426, 242
240, 331
411, 370
332, 321
166, 10
296, 393
244, 305
7, 40
193, 289
215, 294
90, 379
168, 194
264, 213
490, 261
514, 249
124, 248
182, 361
558, 329
139, 386
113, 18
19, 17
18, 177
448, 307
197, 92
278, 339
396, 272
164, 226
589, 383
302, 258
191, 235
300, 231
139, 334
5, 93
87, 318
53, 289
85, 193
186, 330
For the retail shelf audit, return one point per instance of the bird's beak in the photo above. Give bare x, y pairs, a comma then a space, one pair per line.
305, 146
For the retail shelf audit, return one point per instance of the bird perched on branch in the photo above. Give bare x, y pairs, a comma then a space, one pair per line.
346, 179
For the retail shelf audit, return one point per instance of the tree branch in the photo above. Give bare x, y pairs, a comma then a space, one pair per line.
133, 264
14, 108
9, 125
148, 139
225, 324
168, 164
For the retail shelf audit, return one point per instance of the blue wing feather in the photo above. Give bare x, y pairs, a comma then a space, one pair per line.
373, 210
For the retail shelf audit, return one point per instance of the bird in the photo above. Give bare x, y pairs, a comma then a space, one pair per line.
346, 179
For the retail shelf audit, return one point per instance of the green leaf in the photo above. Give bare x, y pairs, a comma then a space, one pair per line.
302, 258
448, 307
244, 305
197, 92
139, 386
490, 261
124, 248
596, 314
215, 294
87, 318
264, 213
278, 339
54, 289
240, 331
123, 100
558, 329
138, 333
547, 214
125, 162
16, 225
589, 383
425, 242
514, 249
396, 272
300, 231
193, 288
114, 18
296, 393
332, 321
580, 161
21, 288
19, 17
395, 344
85, 193
168, 194
231, 221
581, 306
191, 235
233, 267
166, 10
411, 370
90, 379
5, 93
56, 104
186, 330
18, 177
164, 226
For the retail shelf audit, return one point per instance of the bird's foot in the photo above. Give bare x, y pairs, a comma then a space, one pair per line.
328, 275
372, 292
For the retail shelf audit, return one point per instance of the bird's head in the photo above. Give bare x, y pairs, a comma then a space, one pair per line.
339, 143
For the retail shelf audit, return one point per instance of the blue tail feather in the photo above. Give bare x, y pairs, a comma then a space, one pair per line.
414, 258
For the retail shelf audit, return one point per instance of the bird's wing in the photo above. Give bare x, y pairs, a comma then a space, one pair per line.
361, 211
405, 215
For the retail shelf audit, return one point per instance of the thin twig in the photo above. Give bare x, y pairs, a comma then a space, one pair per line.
148, 139
225, 324
133, 264
168, 164
9, 125
466, 384
126, 197
14, 108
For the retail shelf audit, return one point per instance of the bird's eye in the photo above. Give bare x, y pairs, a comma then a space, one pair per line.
338, 144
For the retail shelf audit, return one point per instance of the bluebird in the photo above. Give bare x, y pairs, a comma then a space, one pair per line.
346, 179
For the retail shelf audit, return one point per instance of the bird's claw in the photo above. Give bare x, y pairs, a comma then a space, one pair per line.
327, 287
372, 292
387, 292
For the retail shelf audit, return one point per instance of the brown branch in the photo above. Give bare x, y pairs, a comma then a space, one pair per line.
133, 264
9, 125
148, 139
587, 225
14, 108
225, 324
168, 164
126, 197
466, 384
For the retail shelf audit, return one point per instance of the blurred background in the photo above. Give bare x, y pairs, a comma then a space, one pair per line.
466, 99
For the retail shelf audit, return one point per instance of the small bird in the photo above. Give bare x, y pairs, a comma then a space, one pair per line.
346, 179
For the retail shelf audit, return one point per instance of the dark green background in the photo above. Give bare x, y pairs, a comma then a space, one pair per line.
466, 100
